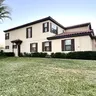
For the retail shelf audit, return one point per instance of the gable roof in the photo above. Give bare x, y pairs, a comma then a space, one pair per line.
79, 25
35, 22
72, 34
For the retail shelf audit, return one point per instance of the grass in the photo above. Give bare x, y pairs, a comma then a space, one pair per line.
47, 77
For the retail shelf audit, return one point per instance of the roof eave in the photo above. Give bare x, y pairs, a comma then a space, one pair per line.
68, 36
35, 22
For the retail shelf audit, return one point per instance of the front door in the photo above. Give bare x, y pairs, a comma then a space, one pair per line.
19, 50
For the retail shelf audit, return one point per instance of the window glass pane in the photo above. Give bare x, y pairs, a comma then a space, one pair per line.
45, 29
34, 49
67, 42
29, 30
45, 24
47, 48
68, 48
54, 26
29, 34
47, 44
34, 45
6, 34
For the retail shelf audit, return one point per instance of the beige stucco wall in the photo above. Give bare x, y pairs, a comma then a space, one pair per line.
37, 36
94, 45
82, 43
78, 29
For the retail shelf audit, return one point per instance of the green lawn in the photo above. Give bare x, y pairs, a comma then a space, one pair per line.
47, 77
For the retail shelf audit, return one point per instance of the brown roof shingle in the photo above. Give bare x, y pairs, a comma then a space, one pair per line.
71, 34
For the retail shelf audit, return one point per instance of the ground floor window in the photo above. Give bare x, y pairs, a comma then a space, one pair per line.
33, 47
14, 46
6, 47
46, 46
68, 45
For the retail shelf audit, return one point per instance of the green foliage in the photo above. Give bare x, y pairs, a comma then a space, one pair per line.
47, 77
58, 55
37, 54
9, 54
87, 55
4, 11
6, 54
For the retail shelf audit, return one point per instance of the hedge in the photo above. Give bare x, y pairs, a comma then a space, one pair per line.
37, 54
7, 54
87, 55
58, 55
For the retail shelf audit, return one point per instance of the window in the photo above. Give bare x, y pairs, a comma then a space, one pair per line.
29, 32
6, 36
14, 46
46, 46
53, 28
46, 27
68, 45
33, 47
6, 47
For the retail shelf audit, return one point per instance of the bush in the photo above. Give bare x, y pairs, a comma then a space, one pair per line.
8, 54
58, 55
88, 55
37, 54
26, 54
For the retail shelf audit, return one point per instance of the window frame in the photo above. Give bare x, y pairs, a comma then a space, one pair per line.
15, 46
31, 48
45, 28
51, 29
7, 47
29, 33
47, 48
72, 45
6, 36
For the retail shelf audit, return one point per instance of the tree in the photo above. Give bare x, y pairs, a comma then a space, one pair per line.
4, 11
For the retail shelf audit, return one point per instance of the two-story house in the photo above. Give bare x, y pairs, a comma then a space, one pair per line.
47, 35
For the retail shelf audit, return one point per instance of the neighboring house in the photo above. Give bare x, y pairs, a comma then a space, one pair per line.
47, 35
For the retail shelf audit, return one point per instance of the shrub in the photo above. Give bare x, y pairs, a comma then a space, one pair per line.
8, 54
26, 54
88, 55
43, 54
37, 54
58, 55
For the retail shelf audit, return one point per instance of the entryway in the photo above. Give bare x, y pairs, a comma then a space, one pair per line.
16, 47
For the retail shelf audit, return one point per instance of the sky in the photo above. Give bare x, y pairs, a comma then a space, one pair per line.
66, 12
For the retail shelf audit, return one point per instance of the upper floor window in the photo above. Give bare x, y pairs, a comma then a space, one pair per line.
46, 46
6, 36
6, 47
29, 32
33, 47
53, 28
46, 27
68, 45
